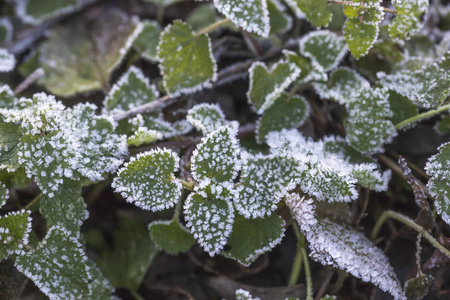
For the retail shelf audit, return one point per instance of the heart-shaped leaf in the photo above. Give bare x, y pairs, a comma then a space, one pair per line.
171, 236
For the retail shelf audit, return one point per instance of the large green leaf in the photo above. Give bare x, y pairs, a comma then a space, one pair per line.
9, 139
266, 85
57, 266
7, 61
316, 11
36, 12
148, 180
66, 208
186, 59
252, 16
207, 117
251, 238
147, 41
14, 230
216, 158
407, 20
210, 216
81, 56
171, 236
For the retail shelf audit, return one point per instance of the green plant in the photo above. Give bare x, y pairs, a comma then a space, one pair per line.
225, 194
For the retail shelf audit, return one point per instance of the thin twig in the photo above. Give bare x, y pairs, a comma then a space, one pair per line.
213, 26
32, 202
324, 285
38, 73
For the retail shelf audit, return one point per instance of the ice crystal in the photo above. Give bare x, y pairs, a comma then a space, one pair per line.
242, 294
144, 136
9, 139
207, 117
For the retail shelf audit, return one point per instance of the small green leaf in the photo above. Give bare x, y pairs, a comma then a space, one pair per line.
369, 176
148, 180
266, 85
4, 194
7, 99
402, 108
14, 230
144, 136
66, 208
81, 56
36, 12
207, 117
251, 238
57, 266
126, 262
7, 61
216, 157
159, 124
418, 287
147, 41
280, 21
286, 112
101, 287
325, 47
443, 126
9, 139
171, 236
202, 16
310, 69
210, 216
337, 145
251, 16
133, 89
316, 11
407, 19
186, 59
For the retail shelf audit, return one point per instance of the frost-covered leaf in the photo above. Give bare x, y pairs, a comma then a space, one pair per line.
171, 236
343, 86
310, 69
370, 177
4, 194
216, 158
252, 16
186, 59
182, 127
6, 30
100, 286
58, 266
147, 41
7, 61
407, 19
416, 288
316, 11
242, 294
144, 136
286, 112
66, 208
207, 117
125, 263
438, 167
133, 89
328, 297
210, 216
362, 27
81, 56
251, 238
14, 230
9, 139
337, 145
148, 180
7, 99
402, 108
36, 12
157, 123
325, 47
369, 126
280, 21
267, 84
344, 248
429, 86
264, 182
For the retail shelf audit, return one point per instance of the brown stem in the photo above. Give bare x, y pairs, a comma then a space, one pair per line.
38, 73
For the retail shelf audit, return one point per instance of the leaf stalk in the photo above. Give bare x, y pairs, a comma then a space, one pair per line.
422, 116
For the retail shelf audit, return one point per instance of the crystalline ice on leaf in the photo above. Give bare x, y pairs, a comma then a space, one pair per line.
370, 177
406, 22
7, 99
14, 230
344, 248
4, 194
144, 136
35, 13
100, 285
207, 117
311, 70
315, 11
147, 41
242, 294
148, 180
10, 136
7, 61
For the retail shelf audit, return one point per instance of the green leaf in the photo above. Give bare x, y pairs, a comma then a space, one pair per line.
369, 176
81, 56
251, 16
210, 215
7, 99
325, 47
407, 19
9, 139
101, 287
310, 69
362, 27
171, 236
66, 208
343, 86
438, 167
402, 108
337, 145
251, 238
286, 112
57, 266
416, 85
443, 126
215, 159
133, 89
36, 12
14, 230
144, 136
7, 61
418, 287
202, 16
267, 85
264, 182
280, 21
316, 11
207, 117
4, 194
187, 62
148, 180
132, 252
147, 41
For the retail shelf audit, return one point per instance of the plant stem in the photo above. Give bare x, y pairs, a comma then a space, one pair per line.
309, 291
297, 265
408, 222
213, 26
38, 73
160, 14
32, 202
422, 116
189, 185
136, 295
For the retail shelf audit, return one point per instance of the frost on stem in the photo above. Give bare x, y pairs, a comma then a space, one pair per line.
344, 248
